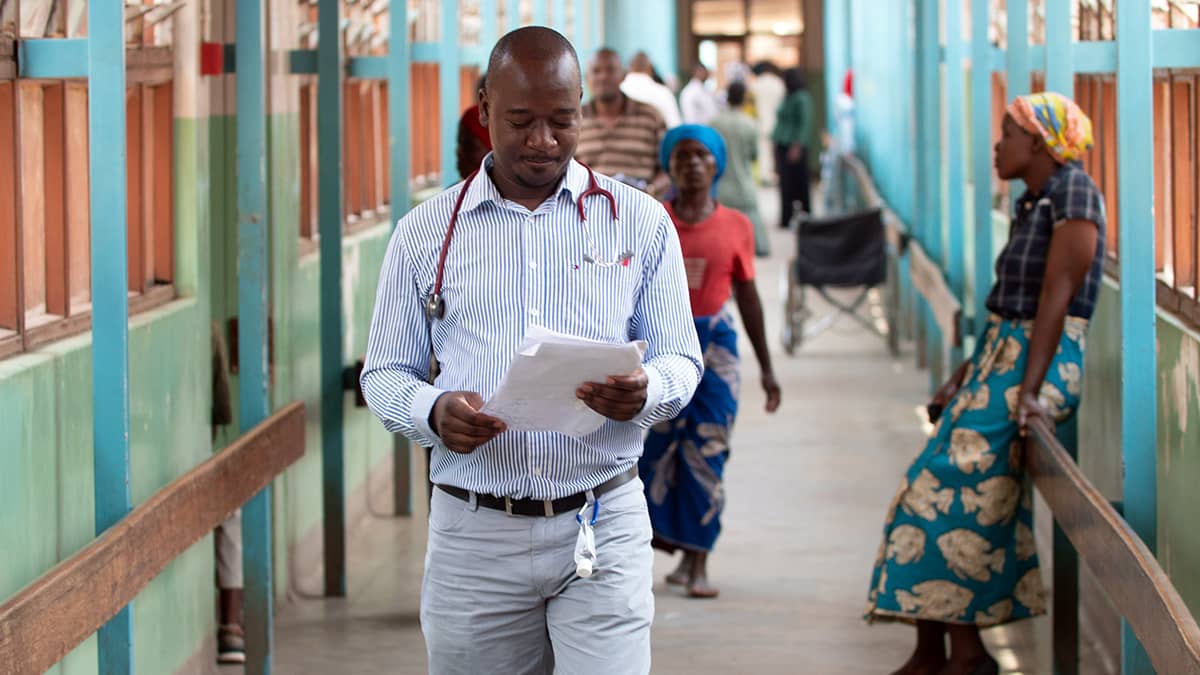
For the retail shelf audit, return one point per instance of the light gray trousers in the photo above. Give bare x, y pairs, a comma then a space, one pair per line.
500, 594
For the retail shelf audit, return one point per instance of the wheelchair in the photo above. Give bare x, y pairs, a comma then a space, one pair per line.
844, 251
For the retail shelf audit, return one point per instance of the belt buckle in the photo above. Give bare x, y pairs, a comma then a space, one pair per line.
549, 508
508, 505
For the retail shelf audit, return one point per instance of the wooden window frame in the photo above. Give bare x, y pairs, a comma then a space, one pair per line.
61, 225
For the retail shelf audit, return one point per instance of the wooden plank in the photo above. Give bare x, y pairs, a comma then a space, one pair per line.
79, 259
49, 617
9, 268
8, 59
1122, 565
929, 281
164, 184
149, 65
134, 185
54, 194
1182, 179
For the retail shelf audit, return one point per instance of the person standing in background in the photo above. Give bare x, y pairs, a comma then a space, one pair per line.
696, 102
639, 85
768, 91
736, 189
619, 137
792, 137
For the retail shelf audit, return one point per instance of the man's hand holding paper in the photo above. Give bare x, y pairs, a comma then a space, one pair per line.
569, 385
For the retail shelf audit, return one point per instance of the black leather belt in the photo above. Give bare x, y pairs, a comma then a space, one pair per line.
541, 507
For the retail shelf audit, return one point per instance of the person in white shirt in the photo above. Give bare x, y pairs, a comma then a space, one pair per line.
639, 85
696, 102
768, 91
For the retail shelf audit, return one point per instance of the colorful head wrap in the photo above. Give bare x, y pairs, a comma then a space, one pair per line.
1058, 120
707, 136
470, 121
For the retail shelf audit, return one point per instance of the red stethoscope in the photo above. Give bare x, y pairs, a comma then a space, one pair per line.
435, 304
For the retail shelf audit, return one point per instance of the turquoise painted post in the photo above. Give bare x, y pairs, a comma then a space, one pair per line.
399, 83
448, 81
329, 224
930, 156
513, 15
558, 15
596, 23
489, 34
110, 298
539, 12
1060, 74
637, 25
253, 291
956, 183
1135, 197
981, 156
1017, 74
581, 34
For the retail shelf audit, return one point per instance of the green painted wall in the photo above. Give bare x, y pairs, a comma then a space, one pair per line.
1178, 434
46, 477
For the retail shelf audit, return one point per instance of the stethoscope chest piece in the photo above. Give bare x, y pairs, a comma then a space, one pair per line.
435, 306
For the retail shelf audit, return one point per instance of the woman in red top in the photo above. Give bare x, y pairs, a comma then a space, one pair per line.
684, 458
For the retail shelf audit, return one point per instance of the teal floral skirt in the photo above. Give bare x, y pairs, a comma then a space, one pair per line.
958, 542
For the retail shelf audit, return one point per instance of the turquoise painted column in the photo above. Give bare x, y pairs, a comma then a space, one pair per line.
399, 114
929, 184
110, 299
558, 16
329, 224
631, 26
539, 12
448, 86
582, 31
399, 123
955, 255
513, 14
1017, 71
1135, 199
253, 293
1060, 74
981, 156
595, 25
490, 32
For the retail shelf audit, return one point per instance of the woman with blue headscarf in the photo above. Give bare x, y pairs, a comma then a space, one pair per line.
684, 458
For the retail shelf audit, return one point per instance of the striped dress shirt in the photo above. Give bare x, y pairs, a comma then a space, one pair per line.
508, 269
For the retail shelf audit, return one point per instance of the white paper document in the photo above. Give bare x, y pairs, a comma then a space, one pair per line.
538, 391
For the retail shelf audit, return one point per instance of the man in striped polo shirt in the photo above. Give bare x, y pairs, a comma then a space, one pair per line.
501, 591
619, 136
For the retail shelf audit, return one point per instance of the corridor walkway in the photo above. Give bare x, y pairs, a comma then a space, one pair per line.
807, 489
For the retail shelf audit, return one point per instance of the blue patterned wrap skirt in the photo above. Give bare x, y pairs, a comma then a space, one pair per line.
958, 543
684, 458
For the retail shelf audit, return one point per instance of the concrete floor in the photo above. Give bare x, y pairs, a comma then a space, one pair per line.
808, 488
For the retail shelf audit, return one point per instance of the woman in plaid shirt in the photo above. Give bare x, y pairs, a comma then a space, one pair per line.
958, 552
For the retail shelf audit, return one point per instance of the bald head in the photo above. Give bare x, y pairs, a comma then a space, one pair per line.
535, 48
530, 104
605, 74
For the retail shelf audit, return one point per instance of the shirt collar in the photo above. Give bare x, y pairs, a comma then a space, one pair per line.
482, 190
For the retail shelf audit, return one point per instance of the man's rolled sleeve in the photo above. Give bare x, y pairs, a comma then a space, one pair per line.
397, 361
663, 318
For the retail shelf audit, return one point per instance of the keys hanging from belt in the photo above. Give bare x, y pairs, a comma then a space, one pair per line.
585, 543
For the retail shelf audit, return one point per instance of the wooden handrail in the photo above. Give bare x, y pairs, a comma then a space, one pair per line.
1119, 560
59, 610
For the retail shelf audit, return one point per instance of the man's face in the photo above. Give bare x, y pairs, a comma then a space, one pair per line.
532, 113
604, 77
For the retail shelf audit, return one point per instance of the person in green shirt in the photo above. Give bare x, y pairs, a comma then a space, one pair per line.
736, 189
792, 137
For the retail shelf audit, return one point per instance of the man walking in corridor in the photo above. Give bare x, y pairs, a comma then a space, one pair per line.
501, 592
